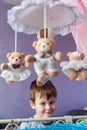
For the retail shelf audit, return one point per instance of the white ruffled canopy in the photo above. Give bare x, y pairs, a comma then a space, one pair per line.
29, 16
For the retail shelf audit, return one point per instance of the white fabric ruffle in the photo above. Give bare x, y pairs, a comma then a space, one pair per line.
28, 17
75, 65
12, 74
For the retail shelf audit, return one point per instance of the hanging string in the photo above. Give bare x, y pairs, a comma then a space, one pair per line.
77, 41
45, 19
16, 38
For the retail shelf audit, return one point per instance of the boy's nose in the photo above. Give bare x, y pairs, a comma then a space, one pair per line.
47, 106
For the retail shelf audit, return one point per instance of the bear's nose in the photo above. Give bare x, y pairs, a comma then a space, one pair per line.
44, 46
16, 59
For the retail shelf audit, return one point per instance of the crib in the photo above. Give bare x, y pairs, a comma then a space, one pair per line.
68, 122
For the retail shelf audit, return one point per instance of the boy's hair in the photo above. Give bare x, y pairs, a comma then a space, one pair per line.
47, 89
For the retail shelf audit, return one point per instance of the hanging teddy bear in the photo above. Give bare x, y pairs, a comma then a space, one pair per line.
45, 61
76, 67
15, 69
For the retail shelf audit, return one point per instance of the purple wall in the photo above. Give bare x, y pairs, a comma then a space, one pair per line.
14, 98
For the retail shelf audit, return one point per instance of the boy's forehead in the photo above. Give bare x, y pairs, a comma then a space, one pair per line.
40, 95
42, 98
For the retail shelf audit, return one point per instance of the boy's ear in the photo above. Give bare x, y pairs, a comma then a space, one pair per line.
32, 104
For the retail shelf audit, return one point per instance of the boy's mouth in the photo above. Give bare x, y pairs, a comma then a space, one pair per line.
49, 113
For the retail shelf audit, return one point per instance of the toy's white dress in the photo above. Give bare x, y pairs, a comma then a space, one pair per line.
75, 65
18, 74
43, 63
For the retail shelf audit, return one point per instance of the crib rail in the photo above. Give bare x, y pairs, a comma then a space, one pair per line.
64, 118
13, 123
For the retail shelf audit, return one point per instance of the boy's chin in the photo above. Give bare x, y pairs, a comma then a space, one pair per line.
47, 116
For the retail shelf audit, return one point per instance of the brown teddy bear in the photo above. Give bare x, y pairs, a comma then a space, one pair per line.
76, 67
44, 60
14, 70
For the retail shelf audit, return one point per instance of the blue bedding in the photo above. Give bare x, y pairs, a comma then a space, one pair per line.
68, 126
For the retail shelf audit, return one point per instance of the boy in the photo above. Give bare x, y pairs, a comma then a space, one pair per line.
43, 101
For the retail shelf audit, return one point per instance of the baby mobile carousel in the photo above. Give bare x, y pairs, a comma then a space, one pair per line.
54, 17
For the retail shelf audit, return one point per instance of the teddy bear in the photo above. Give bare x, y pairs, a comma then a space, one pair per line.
76, 67
14, 70
44, 60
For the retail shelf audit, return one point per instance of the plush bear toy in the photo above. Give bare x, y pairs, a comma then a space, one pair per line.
44, 60
15, 69
76, 67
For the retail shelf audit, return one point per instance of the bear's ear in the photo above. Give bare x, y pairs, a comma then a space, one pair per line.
8, 55
69, 53
34, 43
52, 41
23, 55
42, 33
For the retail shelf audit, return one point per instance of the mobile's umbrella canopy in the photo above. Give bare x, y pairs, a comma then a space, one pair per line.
32, 15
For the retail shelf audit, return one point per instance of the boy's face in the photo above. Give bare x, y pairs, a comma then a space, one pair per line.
43, 107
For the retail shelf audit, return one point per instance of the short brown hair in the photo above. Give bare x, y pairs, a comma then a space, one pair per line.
47, 89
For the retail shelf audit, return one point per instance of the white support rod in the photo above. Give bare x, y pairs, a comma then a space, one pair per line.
45, 19
16, 38
77, 42
40, 119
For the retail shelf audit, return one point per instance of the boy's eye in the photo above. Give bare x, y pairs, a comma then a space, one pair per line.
42, 103
51, 102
